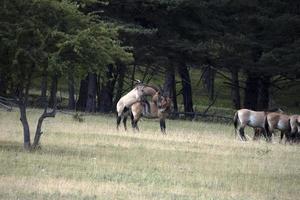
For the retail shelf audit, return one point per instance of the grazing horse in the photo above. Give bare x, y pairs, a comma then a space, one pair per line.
281, 122
159, 107
254, 119
135, 95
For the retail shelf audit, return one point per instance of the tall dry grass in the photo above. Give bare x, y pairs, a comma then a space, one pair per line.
91, 160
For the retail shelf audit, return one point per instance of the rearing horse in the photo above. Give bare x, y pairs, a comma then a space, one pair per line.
159, 107
135, 95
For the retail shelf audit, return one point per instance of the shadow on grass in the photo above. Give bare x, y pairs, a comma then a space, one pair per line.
11, 146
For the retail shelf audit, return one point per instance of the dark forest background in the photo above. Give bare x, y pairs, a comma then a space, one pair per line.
232, 53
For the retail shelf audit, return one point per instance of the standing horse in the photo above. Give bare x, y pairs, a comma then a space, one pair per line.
295, 127
135, 95
159, 107
259, 131
254, 119
281, 122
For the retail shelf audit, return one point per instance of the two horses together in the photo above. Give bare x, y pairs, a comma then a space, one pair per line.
266, 122
136, 105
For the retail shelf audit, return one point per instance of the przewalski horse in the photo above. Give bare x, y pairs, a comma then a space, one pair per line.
295, 127
136, 94
159, 107
254, 119
259, 131
281, 122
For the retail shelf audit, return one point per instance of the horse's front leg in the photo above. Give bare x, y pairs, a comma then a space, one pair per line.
241, 133
257, 133
162, 123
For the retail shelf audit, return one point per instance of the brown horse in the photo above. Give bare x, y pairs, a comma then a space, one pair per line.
259, 131
135, 95
281, 122
159, 107
254, 119
295, 127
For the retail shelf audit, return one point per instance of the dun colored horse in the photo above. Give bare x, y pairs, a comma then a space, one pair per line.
295, 123
295, 127
159, 107
254, 119
135, 95
259, 131
281, 122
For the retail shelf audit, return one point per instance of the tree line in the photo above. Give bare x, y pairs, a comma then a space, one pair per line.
101, 45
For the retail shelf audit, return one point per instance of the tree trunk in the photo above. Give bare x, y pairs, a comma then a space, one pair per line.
120, 82
23, 118
263, 93
169, 82
235, 89
53, 91
133, 76
44, 87
209, 81
187, 89
38, 131
92, 91
71, 89
44, 84
3, 85
170, 88
81, 102
106, 93
251, 91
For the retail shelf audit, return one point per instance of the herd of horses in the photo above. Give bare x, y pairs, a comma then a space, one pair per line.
151, 102
265, 123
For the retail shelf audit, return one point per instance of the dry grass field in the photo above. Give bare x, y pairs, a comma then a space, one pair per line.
91, 160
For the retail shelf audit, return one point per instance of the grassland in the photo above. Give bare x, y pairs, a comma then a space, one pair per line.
91, 160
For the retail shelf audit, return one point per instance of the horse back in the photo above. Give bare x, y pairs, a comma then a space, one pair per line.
278, 121
252, 118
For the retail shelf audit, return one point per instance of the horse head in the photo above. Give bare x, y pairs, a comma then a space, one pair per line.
162, 101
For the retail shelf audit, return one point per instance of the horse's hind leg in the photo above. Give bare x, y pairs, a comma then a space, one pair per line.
242, 133
124, 122
132, 120
119, 118
268, 135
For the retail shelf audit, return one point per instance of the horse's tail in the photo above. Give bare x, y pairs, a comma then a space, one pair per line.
266, 126
235, 122
235, 119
